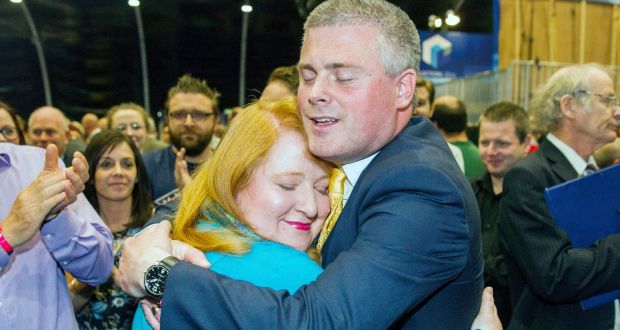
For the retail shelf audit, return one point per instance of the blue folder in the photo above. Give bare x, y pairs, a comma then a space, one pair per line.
588, 209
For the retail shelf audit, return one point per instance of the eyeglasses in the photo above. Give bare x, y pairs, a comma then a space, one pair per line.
8, 132
611, 101
133, 126
198, 116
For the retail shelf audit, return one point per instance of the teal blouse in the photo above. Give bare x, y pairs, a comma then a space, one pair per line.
268, 264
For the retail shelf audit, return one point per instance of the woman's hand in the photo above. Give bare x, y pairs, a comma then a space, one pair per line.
152, 312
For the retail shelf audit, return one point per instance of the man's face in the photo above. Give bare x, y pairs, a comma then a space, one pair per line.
191, 120
347, 102
597, 122
423, 107
500, 147
45, 128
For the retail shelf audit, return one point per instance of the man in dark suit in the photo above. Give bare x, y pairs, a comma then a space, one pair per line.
547, 276
406, 251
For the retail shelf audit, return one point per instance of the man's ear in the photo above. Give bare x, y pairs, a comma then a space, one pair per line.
567, 106
526, 143
67, 136
406, 88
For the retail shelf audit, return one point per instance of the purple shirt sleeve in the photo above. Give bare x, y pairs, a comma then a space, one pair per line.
4, 259
80, 242
33, 287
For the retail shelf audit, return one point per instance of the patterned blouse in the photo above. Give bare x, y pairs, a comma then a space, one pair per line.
109, 307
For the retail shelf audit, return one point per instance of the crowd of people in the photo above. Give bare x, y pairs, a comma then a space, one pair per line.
537, 275
348, 196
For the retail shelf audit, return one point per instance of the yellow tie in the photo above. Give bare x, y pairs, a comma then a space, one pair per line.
336, 195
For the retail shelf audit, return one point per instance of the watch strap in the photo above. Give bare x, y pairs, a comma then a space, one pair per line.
169, 261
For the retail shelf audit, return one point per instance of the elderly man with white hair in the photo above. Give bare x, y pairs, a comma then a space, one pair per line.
547, 275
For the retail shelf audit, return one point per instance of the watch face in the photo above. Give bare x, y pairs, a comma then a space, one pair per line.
155, 280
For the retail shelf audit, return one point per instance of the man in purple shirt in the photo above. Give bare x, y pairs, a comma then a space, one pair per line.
46, 228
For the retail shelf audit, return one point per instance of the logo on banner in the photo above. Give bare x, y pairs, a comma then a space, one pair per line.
436, 51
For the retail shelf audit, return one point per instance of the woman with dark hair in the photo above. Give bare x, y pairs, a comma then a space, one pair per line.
9, 126
120, 192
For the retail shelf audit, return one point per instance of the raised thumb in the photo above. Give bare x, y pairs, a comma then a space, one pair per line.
51, 157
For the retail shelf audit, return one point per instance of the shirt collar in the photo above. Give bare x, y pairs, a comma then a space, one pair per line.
573, 157
353, 172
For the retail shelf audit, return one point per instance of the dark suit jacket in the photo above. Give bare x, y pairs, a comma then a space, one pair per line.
406, 252
159, 166
547, 276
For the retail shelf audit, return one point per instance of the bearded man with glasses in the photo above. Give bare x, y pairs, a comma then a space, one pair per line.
191, 114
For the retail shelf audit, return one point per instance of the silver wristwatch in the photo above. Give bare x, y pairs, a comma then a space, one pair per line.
155, 277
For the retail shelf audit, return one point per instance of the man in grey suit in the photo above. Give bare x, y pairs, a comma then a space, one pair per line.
547, 276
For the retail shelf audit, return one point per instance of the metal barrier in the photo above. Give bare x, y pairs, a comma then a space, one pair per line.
478, 91
516, 84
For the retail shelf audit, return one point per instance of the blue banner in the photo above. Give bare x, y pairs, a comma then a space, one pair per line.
447, 55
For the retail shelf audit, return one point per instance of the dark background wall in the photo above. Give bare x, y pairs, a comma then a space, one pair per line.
92, 52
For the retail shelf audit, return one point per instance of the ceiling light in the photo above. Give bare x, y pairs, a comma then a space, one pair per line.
451, 18
434, 22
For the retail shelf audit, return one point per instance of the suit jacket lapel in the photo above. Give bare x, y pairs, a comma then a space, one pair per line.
418, 128
558, 162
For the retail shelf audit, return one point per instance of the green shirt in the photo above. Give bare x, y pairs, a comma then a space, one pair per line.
471, 157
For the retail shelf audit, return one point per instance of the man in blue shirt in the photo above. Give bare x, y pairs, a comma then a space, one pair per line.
191, 113
47, 228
